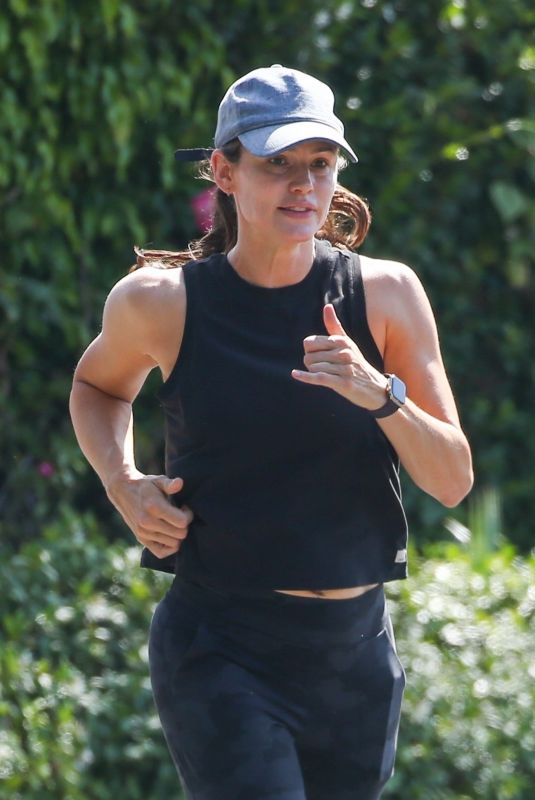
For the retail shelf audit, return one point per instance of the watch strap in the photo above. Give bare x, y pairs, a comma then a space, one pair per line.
385, 411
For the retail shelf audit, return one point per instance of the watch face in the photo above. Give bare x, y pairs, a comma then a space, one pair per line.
397, 390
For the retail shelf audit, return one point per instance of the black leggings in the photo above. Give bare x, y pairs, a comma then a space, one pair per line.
276, 697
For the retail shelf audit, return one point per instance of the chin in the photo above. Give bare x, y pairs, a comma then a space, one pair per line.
304, 234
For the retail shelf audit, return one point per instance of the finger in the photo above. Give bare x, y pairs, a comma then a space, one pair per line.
147, 534
314, 343
327, 345
330, 368
151, 537
168, 485
317, 378
332, 324
341, 356
153, 525
161, 550
164, 511
158, 506
188, 514
162, 516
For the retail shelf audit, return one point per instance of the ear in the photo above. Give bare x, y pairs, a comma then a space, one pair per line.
223, 171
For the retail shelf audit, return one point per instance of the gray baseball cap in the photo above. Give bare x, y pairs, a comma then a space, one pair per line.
272, 109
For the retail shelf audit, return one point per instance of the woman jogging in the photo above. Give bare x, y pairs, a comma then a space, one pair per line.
297, 375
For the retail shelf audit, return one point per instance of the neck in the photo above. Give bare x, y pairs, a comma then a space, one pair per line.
272, 265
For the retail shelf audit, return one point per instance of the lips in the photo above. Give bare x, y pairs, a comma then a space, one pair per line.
298, 208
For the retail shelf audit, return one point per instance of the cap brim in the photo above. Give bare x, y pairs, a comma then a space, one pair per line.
269, 141
194, 154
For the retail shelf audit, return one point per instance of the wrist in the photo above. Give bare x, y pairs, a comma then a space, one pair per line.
124, 474
393, 398
380, 393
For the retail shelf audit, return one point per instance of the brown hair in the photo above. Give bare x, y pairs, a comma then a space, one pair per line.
346, 225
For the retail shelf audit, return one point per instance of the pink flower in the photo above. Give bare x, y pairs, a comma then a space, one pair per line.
202, 205
46, 469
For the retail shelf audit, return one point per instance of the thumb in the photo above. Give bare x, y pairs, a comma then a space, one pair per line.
331, 321
168, 485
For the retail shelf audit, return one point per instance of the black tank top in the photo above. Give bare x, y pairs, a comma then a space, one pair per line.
292, 486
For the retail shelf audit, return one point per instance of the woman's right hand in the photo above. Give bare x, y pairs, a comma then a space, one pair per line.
143, 502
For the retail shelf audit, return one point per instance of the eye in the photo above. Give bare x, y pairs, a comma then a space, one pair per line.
321, 163
277, 161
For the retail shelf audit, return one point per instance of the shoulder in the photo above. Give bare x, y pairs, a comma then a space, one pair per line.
146, 300
387, 274
145, 311
147, 289
392, 287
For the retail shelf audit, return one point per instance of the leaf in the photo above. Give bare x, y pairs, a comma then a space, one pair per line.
509, 201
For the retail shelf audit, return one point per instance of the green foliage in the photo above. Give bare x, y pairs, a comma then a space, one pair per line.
77, 721
437, 97
466, 640
438, 101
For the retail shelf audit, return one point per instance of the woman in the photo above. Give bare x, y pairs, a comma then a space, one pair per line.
296, 377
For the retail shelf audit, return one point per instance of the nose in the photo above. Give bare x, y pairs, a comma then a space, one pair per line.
301, 180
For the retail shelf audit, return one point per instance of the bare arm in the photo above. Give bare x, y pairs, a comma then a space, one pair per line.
110, 374
428, 435
426, 432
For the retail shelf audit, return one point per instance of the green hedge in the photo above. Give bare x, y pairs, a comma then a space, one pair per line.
466, 639
438, 100
77, 720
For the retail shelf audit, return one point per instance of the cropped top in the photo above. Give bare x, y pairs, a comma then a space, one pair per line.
291, 485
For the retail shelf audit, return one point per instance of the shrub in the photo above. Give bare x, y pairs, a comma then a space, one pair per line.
77, 721
466, 639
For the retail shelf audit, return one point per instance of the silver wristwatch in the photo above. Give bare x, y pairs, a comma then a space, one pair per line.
395, 397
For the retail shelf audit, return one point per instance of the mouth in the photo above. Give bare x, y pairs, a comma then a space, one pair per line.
298, 209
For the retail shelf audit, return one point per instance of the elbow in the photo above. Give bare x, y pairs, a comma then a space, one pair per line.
460, 477
452, 499
75, 396
455, 490
73, 400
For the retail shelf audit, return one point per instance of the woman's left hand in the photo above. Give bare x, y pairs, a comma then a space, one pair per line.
335, 361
